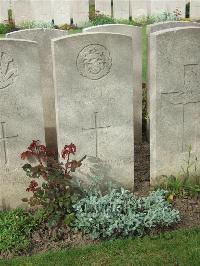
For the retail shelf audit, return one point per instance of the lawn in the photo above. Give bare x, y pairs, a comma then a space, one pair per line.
181, 247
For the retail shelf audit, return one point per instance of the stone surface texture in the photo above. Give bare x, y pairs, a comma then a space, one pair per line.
46, 10
94, 102
21, 115
170, 24
140, 8
154, 28
174, 101
136, 34
103, 6
121, 9
43, 37
195, 9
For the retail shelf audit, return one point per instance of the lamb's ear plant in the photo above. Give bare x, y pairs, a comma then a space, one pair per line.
120, 213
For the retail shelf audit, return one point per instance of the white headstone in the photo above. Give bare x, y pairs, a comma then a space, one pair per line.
43, 37
195, 9
62, 12
46, 10
32, 10
140, 8
177, 5
41, 10
121, 9
80, 11
158, 7
94, 101
136, 34
21, 118
154, 28
174, 100
170, 24
4, 6
103, 6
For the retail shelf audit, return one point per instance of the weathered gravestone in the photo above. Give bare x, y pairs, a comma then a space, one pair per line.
174, 100
154, 28
80, 11
136, 34
195, 9
170, 24
140, 8
121, 9
94, 101
62, 12
158, 7
103, 6
4, 6
43, 38
21, 118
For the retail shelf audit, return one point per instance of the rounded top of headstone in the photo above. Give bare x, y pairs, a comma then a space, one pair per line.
99, 27
36, 31
175, 30
170, 24
129, 30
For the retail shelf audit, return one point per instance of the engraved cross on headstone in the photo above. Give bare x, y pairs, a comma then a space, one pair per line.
189, 94
96, 128
4, 139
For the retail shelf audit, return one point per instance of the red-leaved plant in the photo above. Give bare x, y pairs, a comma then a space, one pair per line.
55, 193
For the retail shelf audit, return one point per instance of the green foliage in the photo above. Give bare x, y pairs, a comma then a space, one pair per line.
100, 19
30, 24
190, 169
56, 193
6, 28
188, 184
97, 18
180, 186
16, 227
120, 213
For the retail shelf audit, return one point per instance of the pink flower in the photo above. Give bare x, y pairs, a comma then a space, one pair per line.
68, 149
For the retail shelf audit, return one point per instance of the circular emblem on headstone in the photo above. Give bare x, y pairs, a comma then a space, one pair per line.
94, 61
8, 70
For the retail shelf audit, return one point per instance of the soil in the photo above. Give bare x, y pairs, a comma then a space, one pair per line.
44, 239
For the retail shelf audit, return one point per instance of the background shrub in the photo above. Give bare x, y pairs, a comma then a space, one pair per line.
6, 28
29, 24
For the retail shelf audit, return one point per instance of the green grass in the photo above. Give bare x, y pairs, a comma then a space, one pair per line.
75, 31
2, 36
180, 247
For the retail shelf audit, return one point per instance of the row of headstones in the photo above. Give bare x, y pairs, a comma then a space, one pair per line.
97, 82
62, 11
138, 8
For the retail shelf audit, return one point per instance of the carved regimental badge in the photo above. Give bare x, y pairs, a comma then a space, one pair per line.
8, 70
94, 61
